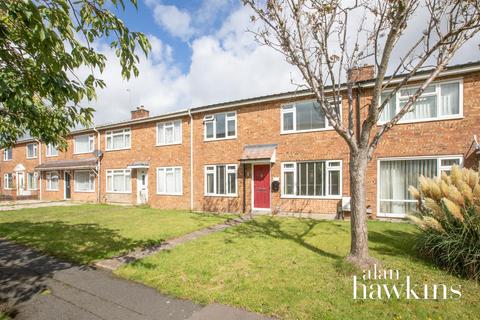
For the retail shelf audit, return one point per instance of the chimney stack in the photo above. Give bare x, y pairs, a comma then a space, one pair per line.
363, 73
139, 113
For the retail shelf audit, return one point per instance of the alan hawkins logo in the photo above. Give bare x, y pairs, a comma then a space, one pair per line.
385, 284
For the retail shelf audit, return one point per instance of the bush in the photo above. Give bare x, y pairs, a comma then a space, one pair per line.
449, 220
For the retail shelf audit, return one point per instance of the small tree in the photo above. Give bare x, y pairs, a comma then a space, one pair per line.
43, 43
325, 40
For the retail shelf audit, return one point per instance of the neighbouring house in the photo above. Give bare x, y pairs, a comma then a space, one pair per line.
273, 153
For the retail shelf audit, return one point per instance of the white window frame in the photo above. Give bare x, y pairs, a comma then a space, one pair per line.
440, 168
5, 154
110, 134
35, 150
35, 179
7, 177
171, 124
327, 186
49, 150
291, 108
227, 171
48, 178
165, 181
437, 85
110, 172
211, 118
91, 175
91, 143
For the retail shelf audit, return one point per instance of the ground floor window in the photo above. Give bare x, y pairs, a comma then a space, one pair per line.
169, 180
119, 181
52, 181
312, 179
8, 181
221, 179
32, 181
84, 181
396, 175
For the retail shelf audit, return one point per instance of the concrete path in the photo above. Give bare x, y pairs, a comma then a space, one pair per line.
140, 253
40, 287
24, 204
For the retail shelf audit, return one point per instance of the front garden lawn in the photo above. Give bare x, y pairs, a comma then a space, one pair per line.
86, 233
294, 269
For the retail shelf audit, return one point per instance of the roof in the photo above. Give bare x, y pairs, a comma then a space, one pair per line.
258, 152
90, 163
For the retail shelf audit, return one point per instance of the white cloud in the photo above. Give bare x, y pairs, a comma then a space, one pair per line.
174, 20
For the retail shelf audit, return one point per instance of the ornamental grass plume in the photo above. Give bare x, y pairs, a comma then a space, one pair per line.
449, 221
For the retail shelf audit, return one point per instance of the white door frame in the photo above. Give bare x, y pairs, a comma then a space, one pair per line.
65, 185
253, 186
21, 191
142, 198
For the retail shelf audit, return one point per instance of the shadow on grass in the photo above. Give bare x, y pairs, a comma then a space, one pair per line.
393, 243
273, 228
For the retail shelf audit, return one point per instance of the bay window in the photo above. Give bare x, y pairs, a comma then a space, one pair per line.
303, 116
31, 150
119, 181
439, 100
118, 139
396, 175
221, 126
84, 181
169, 181
52, 151
84, 143
169, 132
312, 179
52, 181
221, 180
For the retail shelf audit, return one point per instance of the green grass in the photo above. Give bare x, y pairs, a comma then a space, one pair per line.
86, 233
295, 269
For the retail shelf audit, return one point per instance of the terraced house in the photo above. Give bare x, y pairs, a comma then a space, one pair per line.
273, 153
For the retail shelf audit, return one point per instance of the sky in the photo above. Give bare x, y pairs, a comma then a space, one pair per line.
201, 54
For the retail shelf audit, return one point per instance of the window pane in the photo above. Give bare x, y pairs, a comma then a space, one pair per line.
127, 140
109, 183
309, 116
320, 179
288, 121
82, 144
161, 180
128, 185
209, 126
118, 183
390, 109
232, 182
302, 179
161, 134
450, 101
423, 108
178, 180
334, 182
118, 142
220, 125
310, 178
450, 162
221, 180
397, 176
168, 134
231, 127
210, 183
170, 180
178, 132
288, 178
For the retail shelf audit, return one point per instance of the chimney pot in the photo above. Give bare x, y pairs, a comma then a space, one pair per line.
140, 112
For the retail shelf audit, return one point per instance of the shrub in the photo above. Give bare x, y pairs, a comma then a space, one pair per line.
449, 220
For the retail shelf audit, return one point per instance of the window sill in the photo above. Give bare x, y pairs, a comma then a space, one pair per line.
9, 189
312, 197
220, 139
47, 156
8, 160
31, 158
83, 191
168, 144
121, 149
118, 192
86, 152
170, 194
52, 190
221, 195
306, 131
460, 117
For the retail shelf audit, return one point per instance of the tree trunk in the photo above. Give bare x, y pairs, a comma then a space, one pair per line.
359, 244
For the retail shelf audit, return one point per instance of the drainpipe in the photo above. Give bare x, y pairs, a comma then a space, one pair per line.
98, 165
40, 173
191, 159
244, 187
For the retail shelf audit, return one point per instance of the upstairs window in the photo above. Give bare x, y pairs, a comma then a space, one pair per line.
84, 143
31, 150
304, 116
312, 179
7, 154
118, 139
438, 101
221, 126
52, 151
169, 133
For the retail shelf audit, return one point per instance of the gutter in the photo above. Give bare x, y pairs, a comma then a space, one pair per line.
191, 159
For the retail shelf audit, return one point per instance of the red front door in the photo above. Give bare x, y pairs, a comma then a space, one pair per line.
261, 186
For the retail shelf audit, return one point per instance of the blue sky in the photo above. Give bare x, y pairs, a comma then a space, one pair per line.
201, 54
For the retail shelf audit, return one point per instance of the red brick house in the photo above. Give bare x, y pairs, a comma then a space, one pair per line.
273, 153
